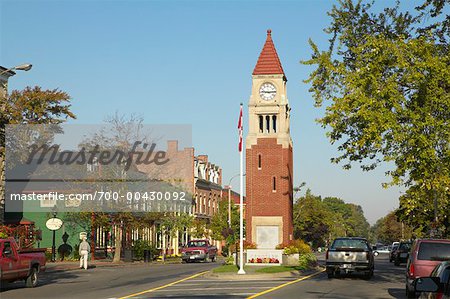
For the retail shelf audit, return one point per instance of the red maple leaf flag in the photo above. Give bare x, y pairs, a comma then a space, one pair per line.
240, 129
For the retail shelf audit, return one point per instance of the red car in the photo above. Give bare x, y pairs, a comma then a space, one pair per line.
17, 264
425, 255
198, 250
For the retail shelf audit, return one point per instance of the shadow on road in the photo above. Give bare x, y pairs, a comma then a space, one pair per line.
397, 293
59, 276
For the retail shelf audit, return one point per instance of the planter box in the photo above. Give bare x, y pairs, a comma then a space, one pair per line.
264, 255
291, 259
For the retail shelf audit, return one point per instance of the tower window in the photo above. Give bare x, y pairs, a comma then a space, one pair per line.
274, 184
267, 123
274, 123
261, 124
259, 161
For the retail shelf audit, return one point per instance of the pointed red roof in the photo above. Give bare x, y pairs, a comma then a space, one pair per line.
268, 61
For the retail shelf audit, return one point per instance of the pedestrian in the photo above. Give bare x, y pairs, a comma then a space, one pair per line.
84, 252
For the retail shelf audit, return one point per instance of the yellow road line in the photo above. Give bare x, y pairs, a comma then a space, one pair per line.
164, 286
284, 284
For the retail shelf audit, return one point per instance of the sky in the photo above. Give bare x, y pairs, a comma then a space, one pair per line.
187, 62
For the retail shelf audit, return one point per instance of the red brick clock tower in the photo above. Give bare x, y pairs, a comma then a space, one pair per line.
269, 165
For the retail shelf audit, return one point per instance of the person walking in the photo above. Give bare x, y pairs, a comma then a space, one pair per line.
84, 250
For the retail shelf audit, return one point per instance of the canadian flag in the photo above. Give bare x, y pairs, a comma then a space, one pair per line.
240, 129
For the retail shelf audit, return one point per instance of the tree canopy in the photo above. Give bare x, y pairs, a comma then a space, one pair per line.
319, 221
385, 82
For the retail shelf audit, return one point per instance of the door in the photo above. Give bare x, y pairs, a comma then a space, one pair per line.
9, 262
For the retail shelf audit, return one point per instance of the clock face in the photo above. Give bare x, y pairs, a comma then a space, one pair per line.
267, 91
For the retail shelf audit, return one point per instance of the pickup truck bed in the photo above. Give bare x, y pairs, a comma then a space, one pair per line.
348, 255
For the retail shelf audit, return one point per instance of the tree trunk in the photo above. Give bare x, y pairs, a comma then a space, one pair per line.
118, 245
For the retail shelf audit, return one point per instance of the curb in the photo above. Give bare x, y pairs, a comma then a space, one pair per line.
262, 276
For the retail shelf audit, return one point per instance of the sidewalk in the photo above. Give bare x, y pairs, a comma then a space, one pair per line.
75, 265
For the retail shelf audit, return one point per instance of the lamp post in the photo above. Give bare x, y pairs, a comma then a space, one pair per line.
55, 212
229, 198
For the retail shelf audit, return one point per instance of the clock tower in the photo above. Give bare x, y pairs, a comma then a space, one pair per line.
269, 163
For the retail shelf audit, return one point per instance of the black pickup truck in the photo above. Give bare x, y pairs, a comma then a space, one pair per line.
349, 255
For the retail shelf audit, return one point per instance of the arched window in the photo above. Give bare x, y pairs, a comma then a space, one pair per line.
261, 124
274, 123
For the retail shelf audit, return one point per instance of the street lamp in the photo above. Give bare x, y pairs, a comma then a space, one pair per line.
229, 197
22, 67
54, 212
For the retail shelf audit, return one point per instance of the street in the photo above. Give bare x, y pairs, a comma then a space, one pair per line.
156, 281
388, 282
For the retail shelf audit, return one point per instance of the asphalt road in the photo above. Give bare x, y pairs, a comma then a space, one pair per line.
388, 282
103, 282
117, 282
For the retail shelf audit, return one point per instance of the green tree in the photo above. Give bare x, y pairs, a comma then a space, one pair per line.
220, 228
386, 81
30, 106
319, 221
388, 229
312, 220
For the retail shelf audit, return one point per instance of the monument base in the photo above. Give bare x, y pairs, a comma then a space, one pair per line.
264, 257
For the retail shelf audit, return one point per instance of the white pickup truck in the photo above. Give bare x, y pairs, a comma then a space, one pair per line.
348, 255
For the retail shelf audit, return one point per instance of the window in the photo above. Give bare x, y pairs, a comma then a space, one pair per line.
6, 248
274, 184
47, 201
433, 251
259, 161
267, 123
274, 123
261, 124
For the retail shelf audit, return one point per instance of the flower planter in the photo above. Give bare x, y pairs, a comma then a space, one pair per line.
291, 259
264, 257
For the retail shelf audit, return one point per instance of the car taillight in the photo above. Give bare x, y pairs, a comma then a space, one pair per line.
411, 270
326, 255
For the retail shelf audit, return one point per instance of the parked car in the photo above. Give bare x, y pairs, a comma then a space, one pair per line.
198, 250
20, 264
425, 255
393, 252
402, 253
349, 255
442, 273
381, 249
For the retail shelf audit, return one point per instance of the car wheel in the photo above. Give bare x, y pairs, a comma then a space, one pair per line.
368, 275
31, 280
410, 294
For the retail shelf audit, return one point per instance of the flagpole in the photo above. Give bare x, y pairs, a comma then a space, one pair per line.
241, 200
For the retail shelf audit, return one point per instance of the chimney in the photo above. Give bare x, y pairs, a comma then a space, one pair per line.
172, 146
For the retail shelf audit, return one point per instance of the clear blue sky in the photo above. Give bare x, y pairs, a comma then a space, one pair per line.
185, 62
